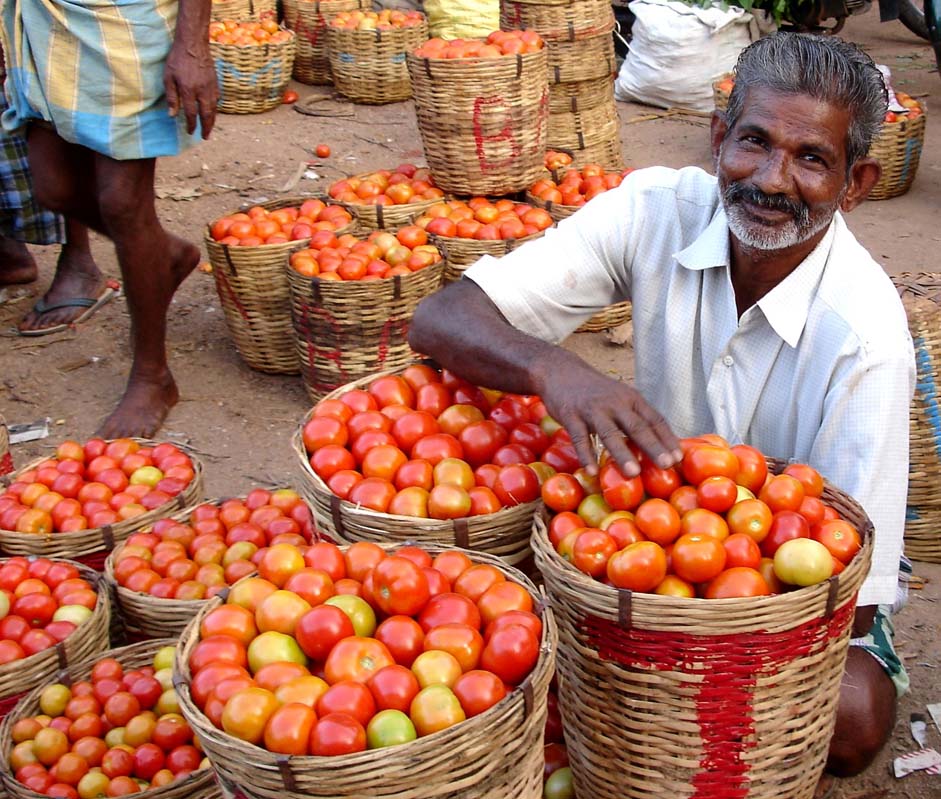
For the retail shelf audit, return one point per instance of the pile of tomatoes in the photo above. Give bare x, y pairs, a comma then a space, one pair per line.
718, 525
333, 652
42, 602
380, 255
384, 20
578, 186
248, 34
86, 486
496, 45
556, 160
428, 444
219, 545
405, 184
117, 733
912, 107
483, 219
259, 226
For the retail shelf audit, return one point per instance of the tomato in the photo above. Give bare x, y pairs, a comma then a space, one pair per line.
529, 620
785, 526
808, 477
247, 712
717, 494
436, 667
452, 564
403, 637
812, 509
461, 641
323, 430
803, 561
313, 585
475, 581
741, 550
231, 620
591, 551
561, 525
349, 697
480, 440
555, 757
357, 659
560, 785
503, 597
412, 426
671, 585
437, 447
751, 517
435, 708
752, 467
782, 493
638, 567
117, 763
337, 734
36, 609
394, 687
383, 461
368, 440
121, 707
737, 581
659, 482
561, 456
361, 558
478, 690
217, 648
390, 727
327, 557
391, 390
839, 537
623, 531
399, 586
593, 510
708, 460
658, 520
184, 759
171, 731
619, 492
280, 612
271, 676
704, 522
697, 558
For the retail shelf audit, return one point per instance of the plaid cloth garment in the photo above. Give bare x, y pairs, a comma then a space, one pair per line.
21, 219
94, 70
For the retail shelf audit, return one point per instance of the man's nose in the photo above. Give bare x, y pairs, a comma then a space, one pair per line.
773, 175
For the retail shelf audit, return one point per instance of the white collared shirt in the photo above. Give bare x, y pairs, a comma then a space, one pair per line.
819, 371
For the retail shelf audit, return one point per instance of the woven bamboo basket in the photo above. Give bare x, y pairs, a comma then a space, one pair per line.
483, 121
921, 296
243, 9
584, 95
252, 79
606, 152
308, 18
557, 211
504, 534
568, 22
256, 298
584, 128
897, 148
369, 66
461, 253
612, 316
19, 677
385, 217
91, 547
6, 459
347, 330
720, 97
496, 755
582, 60
730, 697
198, 785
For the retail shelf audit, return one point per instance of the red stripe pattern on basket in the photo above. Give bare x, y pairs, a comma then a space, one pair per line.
730, 665
224, 282
96, 560
9, 702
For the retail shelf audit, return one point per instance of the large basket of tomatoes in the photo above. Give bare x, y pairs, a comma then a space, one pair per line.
582, 71
482, 109
243, 9
420, 693
721, 670
55, 615
387, 199
161, 576
421, 455
308, 19
352, 301
898, 147
248, 250
88, 498
559, 22
253, 61
115, 729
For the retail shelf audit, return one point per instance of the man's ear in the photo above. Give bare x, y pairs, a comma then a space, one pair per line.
717, 130
864, 174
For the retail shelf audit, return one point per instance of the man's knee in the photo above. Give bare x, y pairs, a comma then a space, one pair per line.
865, 715
125, 198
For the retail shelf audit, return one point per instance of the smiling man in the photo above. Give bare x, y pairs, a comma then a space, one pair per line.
757, 315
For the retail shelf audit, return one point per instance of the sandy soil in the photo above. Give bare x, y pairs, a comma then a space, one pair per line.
241, 421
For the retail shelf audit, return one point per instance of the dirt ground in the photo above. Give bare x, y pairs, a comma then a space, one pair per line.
241, 421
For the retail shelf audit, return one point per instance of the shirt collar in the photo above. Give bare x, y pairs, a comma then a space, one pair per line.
710, 248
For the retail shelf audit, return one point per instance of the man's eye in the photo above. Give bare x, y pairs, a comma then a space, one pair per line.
753, 140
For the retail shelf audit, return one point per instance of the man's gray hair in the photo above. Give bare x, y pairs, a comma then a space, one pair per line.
823, 67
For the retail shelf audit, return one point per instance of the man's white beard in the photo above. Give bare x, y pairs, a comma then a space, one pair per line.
752, 233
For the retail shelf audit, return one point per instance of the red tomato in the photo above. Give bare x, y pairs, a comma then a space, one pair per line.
659, 482
403, 637
452, 564
516, 485
785, 526
752, 467
741, 550
704, 522
417, 474
231, 620
839, 537
511, 653
658, 520
638, 567
337, 734
738, 581
480, 441
531, 436
751, 517
717, 494
561, 525
591, 551
457, 607
808, 477
413, 426
697, 558
374, 493
393, 688
346, 696
320, 628
391, 390
323, 430
503, 597
356, 659
707, 460
399, 586
217, 648
478, 690
476, 580
782, 493
437, 447
462, 641
522, 617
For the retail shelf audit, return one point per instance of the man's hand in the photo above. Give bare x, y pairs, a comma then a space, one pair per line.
190, 75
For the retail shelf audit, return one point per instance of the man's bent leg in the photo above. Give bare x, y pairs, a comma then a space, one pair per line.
153, 264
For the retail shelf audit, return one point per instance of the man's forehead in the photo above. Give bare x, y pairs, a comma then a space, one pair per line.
796, 114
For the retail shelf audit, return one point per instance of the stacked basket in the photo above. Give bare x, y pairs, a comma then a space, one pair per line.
308, 19
897, 148
460, 253
726, 697
582, 112
921, 296
252, 79
243, 9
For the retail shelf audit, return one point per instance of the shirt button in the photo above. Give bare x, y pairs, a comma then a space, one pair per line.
727, 360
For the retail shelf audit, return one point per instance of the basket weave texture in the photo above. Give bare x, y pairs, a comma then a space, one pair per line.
612, 316
483, 121
701, 698
91, 547
585, 128
584, 59
607, 153
385, 217
347, 330
563, 22
242, 9
252, 79
369, 66
495, 755
504, 534
21, 676
921, 296
256, 298
198, 785
6, 459
897, 148
460, 253
308, 19
583, 95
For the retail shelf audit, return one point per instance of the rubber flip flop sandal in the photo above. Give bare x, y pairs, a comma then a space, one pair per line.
111, 290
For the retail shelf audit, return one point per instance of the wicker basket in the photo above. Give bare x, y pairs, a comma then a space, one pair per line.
583, 59
732, 697
571, 98
369, 66
582, 129
569, 22
897, 148
606, 152
612, 316
921, 296
720, 97
252, 79
256, 298
347, 330
504, 534
483, 121
496, 755
243, 9
6, 459
461, 253
385, 217
308, 18
198, 785
91, 547
21, 676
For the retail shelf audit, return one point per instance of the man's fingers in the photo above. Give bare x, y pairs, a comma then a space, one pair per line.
616, 444
661, 429
173, 99
190, 109
581, 440
207, 112
645, 436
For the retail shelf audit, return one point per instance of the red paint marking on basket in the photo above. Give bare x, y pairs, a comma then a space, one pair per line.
517, 17
94, 561
481, 105
392, 328
730, 665
6, 463
9, 702
227, 287
311, 34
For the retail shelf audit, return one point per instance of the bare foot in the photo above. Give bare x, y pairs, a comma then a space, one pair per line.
142, 409
76, 276
16, 263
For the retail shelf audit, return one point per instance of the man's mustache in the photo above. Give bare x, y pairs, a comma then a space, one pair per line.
737, 192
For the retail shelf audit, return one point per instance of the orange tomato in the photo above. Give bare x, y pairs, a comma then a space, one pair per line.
697, 558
